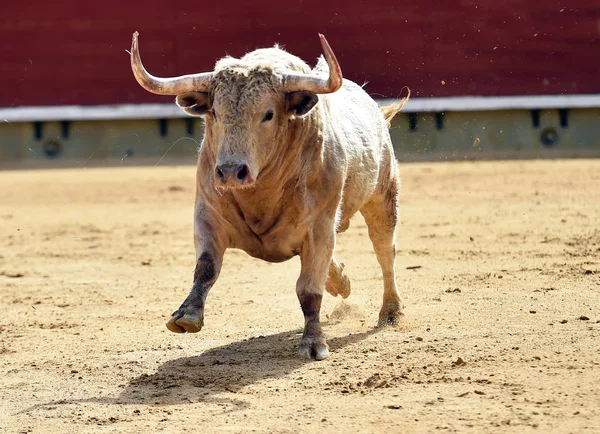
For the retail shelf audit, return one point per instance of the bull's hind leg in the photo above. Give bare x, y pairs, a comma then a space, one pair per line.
381, 216
337, 282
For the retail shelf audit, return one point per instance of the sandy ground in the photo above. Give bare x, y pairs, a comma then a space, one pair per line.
499, 266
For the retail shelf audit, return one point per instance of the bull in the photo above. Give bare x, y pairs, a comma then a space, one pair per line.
289, 155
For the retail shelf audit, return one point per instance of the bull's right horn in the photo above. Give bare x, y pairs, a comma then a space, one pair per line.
166, 86
294, 82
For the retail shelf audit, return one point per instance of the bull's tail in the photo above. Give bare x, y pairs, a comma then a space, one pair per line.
389, 111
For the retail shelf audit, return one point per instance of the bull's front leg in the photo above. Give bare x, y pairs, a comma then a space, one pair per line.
210, 248
315, 257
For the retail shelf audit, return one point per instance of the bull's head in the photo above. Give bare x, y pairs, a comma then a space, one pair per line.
247, 111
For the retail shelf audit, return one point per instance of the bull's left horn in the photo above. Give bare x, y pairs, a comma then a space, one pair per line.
312, 83
166, 86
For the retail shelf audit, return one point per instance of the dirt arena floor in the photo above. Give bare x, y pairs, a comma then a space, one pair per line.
498, 263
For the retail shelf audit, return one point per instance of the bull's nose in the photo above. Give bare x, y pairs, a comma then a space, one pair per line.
233, 174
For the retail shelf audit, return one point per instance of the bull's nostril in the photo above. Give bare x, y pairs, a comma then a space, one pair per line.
220, 174
242, 173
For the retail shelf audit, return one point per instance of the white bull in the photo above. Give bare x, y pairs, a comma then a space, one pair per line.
289, 155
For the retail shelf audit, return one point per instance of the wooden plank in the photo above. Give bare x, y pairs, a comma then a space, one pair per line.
73, 53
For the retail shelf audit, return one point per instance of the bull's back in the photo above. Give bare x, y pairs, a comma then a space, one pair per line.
359, 131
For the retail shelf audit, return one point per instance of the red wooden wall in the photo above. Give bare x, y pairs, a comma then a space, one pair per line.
73, 52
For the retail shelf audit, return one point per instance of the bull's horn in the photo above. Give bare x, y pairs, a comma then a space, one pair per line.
297, 82
166, 86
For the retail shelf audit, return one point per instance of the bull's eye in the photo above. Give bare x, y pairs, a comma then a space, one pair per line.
214, 114
268, 116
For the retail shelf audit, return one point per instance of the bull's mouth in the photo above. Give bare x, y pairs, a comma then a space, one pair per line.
233, 175
244, 186
224, 185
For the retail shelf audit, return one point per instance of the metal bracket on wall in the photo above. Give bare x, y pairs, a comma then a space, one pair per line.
563, 114
439, 120
189, 126
162, 127
65, 129
412, 121
535, 118
38, 129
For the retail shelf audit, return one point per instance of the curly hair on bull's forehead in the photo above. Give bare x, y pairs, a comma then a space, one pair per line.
237, 84
269, 58
246, 81
241, 76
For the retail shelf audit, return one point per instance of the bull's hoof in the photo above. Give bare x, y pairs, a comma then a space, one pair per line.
344, 289
390, 315
189, 322
338, 283
313, 348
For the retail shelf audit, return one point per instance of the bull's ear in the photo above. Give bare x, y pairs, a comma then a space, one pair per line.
194, 103
300, 103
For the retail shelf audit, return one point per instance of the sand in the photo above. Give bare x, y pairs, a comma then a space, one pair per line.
498, 264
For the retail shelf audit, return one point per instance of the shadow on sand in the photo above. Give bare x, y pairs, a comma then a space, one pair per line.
228, 368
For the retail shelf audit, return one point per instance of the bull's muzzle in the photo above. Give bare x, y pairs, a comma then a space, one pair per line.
233, 175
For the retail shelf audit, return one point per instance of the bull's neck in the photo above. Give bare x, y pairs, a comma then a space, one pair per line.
260, 208
282, 180
266, 195
297, 158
